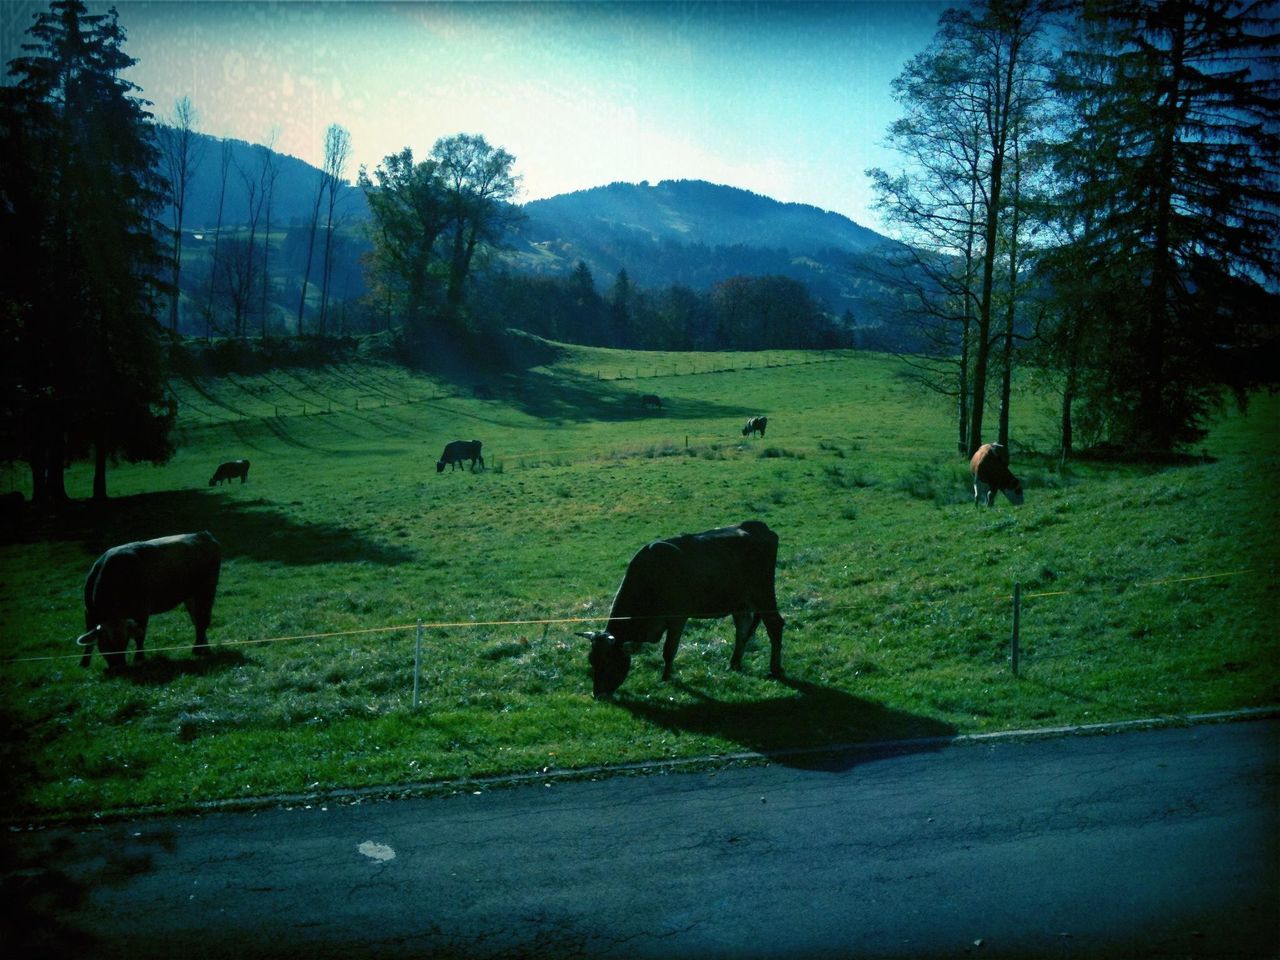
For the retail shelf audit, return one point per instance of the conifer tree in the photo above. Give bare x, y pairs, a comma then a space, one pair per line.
1174, 170
95, 380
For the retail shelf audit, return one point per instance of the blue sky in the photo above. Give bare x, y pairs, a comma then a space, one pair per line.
790, 100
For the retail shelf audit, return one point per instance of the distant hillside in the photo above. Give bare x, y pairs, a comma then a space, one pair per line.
686, 232
696, 233
697, 212
293, 197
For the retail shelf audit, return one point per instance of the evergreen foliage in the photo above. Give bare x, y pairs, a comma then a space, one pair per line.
80, 173
1168, 180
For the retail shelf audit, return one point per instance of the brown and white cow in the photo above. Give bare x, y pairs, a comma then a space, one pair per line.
990, 470
755, 425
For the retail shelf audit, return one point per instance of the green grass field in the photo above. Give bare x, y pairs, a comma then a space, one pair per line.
1149, 590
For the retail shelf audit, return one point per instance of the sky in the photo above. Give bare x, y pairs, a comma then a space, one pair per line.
789, 100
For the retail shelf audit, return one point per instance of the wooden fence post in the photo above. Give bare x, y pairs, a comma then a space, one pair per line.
1015, 642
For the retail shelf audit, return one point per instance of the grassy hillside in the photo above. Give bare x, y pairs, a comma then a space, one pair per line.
894, 587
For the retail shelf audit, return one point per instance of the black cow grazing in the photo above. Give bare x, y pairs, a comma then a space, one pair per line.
229, 471
651, 400
129, 583
458, 450
755, 425
701, 576
990, 470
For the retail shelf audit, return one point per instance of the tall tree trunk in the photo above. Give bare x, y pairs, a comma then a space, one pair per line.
55, 467
311, 247
1154, 422
100, 471
1068, 398
217, 240
982, 347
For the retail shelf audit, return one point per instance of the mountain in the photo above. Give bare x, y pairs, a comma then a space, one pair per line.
697, 234
292, 200
687, 232
697, 212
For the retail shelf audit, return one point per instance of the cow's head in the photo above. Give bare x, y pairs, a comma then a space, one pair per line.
610, 660
1014, 492
439, 466
111, 639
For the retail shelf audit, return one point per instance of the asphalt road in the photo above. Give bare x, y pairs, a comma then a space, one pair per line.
1159, 843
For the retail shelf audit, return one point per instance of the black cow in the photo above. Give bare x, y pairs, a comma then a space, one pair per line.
755, 425
129, 583
229, 471
651, 400
458, 450
702, 576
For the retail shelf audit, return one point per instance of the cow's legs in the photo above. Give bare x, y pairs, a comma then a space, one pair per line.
138, 630
674, 630
744, 625
201, 610
773, 623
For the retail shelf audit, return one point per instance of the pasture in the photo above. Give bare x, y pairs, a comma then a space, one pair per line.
1150, 589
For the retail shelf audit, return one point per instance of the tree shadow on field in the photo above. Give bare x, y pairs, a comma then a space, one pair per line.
559, 399
513, 368
244, 528
811, 728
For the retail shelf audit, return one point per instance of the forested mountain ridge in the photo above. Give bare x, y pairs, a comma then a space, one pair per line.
697, 234
688, 233
695, 211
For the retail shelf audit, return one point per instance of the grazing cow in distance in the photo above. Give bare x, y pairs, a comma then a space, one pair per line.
755, 425
229, 471
651, 400
990, 470
704, 576
129, 583
458, 450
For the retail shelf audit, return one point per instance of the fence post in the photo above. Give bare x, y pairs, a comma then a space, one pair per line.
417, 663
1017, 624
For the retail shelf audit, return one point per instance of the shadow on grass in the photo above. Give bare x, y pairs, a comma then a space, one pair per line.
158, 669
245, 528
795, 729
560, 399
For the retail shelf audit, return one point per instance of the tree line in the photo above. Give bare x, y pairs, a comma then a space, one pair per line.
739, 313
1091, 188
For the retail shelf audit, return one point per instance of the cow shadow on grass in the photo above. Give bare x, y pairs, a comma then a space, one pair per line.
254, 529
158, 670
811, 727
